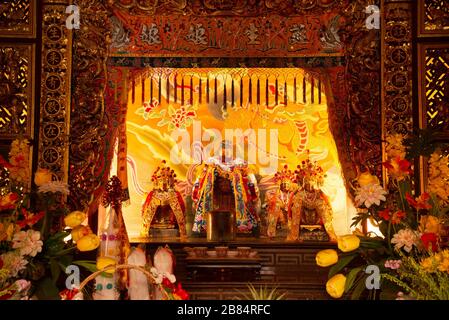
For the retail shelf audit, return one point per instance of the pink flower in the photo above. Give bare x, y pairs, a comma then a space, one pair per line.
406, 239
370, 194
13, 262
28, 242
393, 264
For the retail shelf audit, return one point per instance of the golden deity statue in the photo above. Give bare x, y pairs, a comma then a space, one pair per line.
164, 206
310, 212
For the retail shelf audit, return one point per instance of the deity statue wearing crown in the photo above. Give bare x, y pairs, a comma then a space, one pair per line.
311, 212
279, 200
164, 206
226, 184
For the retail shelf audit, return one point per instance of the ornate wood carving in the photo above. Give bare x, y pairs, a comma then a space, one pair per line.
226, 8
226, 36
90, 124
397, 68
360, 107
16, 89
433, 17
55, 91
18, 18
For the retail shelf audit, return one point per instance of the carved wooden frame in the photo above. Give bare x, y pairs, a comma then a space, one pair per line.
422, 31
21, 30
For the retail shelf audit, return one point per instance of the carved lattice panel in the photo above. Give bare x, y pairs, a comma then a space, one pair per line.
435, 66
434, 16
17, 18
16, 89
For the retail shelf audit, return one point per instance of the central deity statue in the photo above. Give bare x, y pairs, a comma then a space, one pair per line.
226, 184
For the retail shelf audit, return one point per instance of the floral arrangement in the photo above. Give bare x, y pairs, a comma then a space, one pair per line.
34, 251
410, 250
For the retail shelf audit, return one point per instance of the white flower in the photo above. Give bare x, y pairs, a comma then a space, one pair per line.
170, 277
158, 277
13, 262
405, 238
370, 194
54, 187
28, 242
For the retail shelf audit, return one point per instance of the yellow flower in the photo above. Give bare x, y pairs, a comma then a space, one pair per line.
430, 224
103, 262
444, 265
80, 231
326, 258
348, 243
428, 265
88, 243
335, 286
366, 178
74, 219
42, 176
12, 228
445, 254
395, 146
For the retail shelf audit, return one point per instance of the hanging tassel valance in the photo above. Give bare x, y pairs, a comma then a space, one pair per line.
233, 89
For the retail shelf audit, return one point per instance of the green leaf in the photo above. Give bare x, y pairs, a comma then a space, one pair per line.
55, 270
383, 227
64, 261
350, 278
360, 287
343, 262
372, 244
47, 290
89, 265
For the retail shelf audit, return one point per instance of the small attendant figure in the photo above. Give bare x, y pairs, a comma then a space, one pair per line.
279, 200
311, 213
